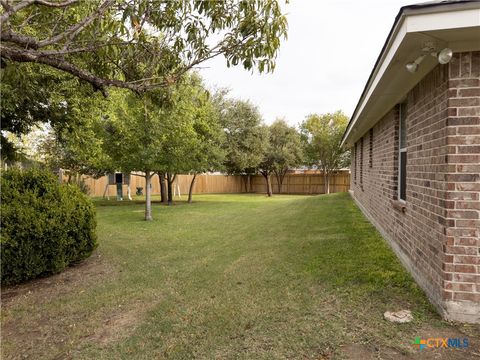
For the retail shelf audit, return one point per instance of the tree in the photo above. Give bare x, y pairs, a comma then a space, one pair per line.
267, 164
162, 132
323, 135
133, 135
76, 147
205, 152
246, 138
100, 41
33, 97
191, 133
287, 149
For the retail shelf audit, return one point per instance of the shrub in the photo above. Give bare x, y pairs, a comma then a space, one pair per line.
45, 226
82, 185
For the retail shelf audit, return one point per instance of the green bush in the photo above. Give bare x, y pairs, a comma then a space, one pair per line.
45, 226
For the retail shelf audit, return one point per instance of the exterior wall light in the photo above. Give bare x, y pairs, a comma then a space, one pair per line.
443, 57
413, 66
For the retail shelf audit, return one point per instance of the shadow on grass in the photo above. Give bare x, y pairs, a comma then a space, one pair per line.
210, 199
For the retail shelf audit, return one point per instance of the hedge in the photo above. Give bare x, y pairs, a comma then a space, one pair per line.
45, 226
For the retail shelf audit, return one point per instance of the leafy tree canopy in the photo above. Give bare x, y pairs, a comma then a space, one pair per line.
323, 136
286, 149
103, 41
246, 138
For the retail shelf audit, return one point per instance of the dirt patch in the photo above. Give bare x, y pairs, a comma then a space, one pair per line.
25, 330
72, 280
118, 325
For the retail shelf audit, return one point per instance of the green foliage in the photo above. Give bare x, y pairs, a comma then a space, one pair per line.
174, 130
132, 132
286, 149
78, 149
37, 96
323, 135
191, 130
45, 226
31, 93
141, 44
246, 138
49, 53
286, 145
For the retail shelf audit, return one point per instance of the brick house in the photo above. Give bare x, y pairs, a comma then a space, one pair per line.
415, 140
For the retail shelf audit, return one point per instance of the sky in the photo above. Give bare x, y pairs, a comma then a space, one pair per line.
324, 64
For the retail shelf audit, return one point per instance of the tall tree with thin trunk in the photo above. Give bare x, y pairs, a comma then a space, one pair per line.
246, 138
163, 187
204, 152
322, 135
133, 136
286, 149
191, 133
267, 164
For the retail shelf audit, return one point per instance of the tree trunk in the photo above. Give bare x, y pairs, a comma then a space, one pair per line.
269, 183
282, 177
245, 179
190, 191
279, 181
129, 192
148, 196
169, 188
105, 191
326, 178
163, 188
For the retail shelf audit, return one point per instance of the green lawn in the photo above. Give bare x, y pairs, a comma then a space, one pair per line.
227, 277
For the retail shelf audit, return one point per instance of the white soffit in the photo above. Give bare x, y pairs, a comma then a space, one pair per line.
451, 26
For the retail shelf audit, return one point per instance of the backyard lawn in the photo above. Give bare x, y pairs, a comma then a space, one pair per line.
228, 277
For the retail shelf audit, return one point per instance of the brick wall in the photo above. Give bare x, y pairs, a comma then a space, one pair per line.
462, 205
437, 234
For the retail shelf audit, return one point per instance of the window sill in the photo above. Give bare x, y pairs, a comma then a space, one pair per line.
399, 205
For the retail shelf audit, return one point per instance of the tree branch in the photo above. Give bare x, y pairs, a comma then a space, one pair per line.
72, 31
19, 39
13, 9
59, 63
10, 10
55, 4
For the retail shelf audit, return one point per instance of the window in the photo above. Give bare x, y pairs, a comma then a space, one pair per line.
361, 161
402, 154
370, 155
355, 164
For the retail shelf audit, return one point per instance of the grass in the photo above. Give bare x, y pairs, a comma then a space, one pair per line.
227, 277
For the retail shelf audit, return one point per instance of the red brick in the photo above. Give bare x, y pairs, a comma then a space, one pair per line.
469, 269
458, 102
464, 83
466, 259
465, 93
469, 149
466, 296
469, 111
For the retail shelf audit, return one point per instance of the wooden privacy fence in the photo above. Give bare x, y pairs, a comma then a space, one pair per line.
212, 183
305, 183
